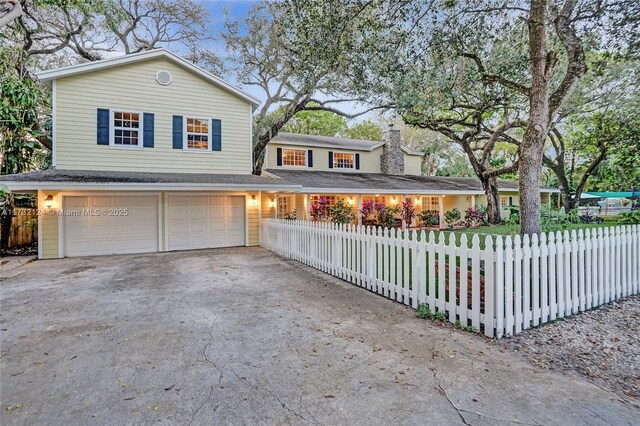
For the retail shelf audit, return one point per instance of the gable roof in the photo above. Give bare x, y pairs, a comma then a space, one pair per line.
285, 138
49, 75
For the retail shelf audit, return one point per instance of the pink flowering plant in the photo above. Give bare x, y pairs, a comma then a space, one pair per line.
408, 212
366, 212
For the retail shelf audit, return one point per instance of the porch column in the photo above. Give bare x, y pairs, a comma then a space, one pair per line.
441, 210
359, 207
549, 195
308, 207
473, 201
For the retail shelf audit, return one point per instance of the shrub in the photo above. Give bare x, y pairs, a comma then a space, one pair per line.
340, 213
452, 217
292, 215
629, 218
386, 216
429, 218
473, 216
408, 212
366, 212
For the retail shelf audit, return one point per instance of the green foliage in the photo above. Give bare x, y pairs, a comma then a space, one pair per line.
320, 123
20, 102
365, 130
429, 218
424, 312
452, 217
341, 213
386, 216
629, 218
468, 328
292, 215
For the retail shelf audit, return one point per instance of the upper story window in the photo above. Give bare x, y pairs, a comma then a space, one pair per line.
343, 161
196, 134
505, 201
294, 157
127, 127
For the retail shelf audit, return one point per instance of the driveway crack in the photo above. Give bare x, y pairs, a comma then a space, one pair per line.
197, 410
292, 411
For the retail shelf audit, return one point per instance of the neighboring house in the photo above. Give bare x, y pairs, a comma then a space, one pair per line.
151, 153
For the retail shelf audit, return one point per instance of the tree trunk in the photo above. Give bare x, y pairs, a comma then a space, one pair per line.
490, 187
532, 148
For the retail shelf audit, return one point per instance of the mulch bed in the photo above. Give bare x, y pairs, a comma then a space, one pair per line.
603, 345
27, 250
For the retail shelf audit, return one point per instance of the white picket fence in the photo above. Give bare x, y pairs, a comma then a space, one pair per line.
503, 287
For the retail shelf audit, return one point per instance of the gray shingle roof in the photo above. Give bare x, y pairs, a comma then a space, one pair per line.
377, 182
103, 177
331, 142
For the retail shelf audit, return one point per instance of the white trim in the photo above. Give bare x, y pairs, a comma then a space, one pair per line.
15, 186
48, 75
166, 221
160, 82
61, 230
53, 123
39, 226
209, 134
251, 159
247, 206
112, 129
385, 191
333, 157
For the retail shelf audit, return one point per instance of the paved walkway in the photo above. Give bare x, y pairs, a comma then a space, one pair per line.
241, 336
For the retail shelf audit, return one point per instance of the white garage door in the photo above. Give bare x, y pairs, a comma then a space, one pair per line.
205, 221
110, 225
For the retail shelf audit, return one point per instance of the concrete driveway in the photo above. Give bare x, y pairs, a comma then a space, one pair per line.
241, 336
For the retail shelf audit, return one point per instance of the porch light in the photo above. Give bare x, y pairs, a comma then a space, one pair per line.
418, 200
48, 202
393, 200
254, 202
443, 196
272, 203
351, 201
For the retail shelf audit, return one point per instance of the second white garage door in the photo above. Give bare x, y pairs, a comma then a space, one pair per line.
205, 221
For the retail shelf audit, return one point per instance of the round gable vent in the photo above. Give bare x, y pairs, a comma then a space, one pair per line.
164, 77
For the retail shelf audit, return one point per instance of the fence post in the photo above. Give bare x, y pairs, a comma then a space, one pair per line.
499, 287
508, 284
475, 282
488, 287
517, 275
535, 281
464, 280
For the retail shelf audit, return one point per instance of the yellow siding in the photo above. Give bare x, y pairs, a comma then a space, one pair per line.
48, 232
268, 210
412, 165
369, 160
253, 215
460, 202
134, 88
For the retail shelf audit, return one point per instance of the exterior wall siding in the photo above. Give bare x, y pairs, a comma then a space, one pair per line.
133, 88
369, 160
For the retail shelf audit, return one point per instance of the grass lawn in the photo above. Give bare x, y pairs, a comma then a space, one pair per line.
512, 230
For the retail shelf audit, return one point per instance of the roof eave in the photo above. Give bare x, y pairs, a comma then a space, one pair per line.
144, 186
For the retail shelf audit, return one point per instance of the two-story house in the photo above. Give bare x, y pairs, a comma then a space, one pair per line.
152, 153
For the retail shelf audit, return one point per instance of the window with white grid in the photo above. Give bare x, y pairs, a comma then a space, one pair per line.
294, 157
197, 134
126, 128
342, 160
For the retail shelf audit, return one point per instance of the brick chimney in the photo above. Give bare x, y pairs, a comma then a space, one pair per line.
392, 158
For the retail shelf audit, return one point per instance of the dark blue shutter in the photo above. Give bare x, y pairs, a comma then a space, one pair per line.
357, 161
279, 157
177, 132
103, 126
310, 158
331, 159
216, 135
147, 133
510, 201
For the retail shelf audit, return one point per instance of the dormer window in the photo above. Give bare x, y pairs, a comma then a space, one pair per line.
343, 161
294, 157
